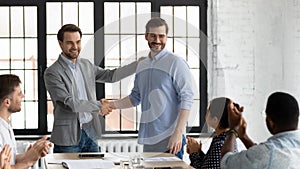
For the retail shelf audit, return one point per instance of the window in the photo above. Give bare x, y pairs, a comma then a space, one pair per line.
28, 44
19, 55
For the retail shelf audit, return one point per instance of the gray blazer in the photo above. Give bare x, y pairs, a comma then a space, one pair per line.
61, 86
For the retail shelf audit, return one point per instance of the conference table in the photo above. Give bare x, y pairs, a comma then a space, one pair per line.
148, 160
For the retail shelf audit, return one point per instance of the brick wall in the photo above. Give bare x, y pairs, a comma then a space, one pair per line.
255, 51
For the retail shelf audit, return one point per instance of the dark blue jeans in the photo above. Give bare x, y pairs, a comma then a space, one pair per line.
86, 144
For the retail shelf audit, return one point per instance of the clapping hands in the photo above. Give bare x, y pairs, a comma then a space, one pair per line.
39, 149
193, 146
235, 118
5, 157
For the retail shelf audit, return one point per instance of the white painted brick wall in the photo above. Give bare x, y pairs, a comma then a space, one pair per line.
256, 51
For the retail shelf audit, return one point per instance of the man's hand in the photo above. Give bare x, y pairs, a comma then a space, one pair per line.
234, 116
235, 120
106, 107
175, 143
5, 157
192, 145
39, 149
242, 128
243, 134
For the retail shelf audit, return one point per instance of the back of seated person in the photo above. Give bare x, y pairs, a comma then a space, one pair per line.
282, 150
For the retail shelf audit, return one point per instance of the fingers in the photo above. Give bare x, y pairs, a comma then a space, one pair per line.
106, 107
193, 145
8, 153
46, 149
232, 108
200, 145
191, 140
45, 137
6, 150
5, 155
105, 111
244, 123
175, 148
175, 143
188, 150
188, 140
29, 147
234, 115
41, 147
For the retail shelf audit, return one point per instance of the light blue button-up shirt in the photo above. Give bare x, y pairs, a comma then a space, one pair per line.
281, 151
163, 86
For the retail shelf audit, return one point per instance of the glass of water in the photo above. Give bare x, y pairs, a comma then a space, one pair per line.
136, 162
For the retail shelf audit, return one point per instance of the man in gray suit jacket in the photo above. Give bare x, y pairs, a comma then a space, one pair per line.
71, 82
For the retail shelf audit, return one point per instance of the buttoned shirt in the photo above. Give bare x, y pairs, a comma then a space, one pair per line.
163, 86
7, 137
280, 151
84, 117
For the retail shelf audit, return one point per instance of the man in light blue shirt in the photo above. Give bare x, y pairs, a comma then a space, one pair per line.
163, 86
282, 150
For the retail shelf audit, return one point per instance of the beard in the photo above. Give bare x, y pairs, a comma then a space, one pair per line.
153, 48
71, 55
14, 109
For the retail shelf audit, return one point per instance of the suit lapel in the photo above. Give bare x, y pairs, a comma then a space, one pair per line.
69, 76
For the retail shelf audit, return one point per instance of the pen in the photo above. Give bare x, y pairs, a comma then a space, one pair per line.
64, 164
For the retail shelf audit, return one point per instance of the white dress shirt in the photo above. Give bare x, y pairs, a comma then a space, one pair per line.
7, 137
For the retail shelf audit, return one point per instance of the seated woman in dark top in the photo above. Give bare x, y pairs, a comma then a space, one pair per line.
217, 118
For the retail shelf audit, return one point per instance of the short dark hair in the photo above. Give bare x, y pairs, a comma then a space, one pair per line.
8, 82
283, 110
219, 108
67, 28
156, 22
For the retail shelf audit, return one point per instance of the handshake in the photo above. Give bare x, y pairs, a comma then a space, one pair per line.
106, 107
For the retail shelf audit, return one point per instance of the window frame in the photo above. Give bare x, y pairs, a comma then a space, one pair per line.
41, 27
99, 51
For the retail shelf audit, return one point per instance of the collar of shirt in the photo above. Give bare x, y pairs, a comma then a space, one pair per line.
5, 123
7, 127
69, 62
9, 138
285, 134
159, 55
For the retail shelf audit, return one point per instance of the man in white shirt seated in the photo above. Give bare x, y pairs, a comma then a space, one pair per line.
11, 97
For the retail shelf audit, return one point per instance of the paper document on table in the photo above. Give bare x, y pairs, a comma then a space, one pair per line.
155, 159
89, 164
116, 160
